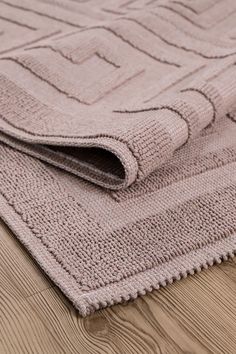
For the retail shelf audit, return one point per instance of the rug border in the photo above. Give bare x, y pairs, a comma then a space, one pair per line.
127, 289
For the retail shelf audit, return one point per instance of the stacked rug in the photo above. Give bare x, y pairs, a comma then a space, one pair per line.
118, 140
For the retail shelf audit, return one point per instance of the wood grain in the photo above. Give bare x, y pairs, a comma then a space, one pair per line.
194, 316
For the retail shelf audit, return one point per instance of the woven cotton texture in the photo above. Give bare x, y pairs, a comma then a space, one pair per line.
118, 140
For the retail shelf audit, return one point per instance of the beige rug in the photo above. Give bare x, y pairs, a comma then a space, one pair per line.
118, 140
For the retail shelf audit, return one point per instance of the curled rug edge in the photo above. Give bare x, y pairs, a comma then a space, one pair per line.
112, 158
112, 147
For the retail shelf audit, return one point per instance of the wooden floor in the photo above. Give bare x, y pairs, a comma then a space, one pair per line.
196, 315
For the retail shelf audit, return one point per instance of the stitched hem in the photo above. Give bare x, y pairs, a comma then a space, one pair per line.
126, 289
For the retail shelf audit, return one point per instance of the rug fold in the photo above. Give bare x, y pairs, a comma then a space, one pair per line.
110, 154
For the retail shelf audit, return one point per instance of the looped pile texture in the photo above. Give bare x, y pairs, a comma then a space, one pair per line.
118, 140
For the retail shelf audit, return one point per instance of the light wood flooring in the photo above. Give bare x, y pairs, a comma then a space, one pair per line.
193, 316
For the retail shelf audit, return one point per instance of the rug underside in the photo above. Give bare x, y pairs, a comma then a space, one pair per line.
118, 140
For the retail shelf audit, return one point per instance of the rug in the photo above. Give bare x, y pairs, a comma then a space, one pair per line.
118, 140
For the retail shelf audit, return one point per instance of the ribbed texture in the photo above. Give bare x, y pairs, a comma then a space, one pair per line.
118, 140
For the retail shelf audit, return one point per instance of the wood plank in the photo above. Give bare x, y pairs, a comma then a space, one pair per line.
196, 315
203, 305
229, 269
21, 330
19, 265
121, 329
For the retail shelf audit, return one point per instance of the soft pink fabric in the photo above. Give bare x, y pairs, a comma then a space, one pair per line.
138, 98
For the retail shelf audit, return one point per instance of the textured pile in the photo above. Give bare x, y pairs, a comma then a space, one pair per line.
118, 140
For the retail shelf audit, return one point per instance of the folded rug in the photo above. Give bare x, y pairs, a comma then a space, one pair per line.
118, 140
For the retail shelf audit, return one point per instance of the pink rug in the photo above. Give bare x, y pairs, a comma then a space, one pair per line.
118, 140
